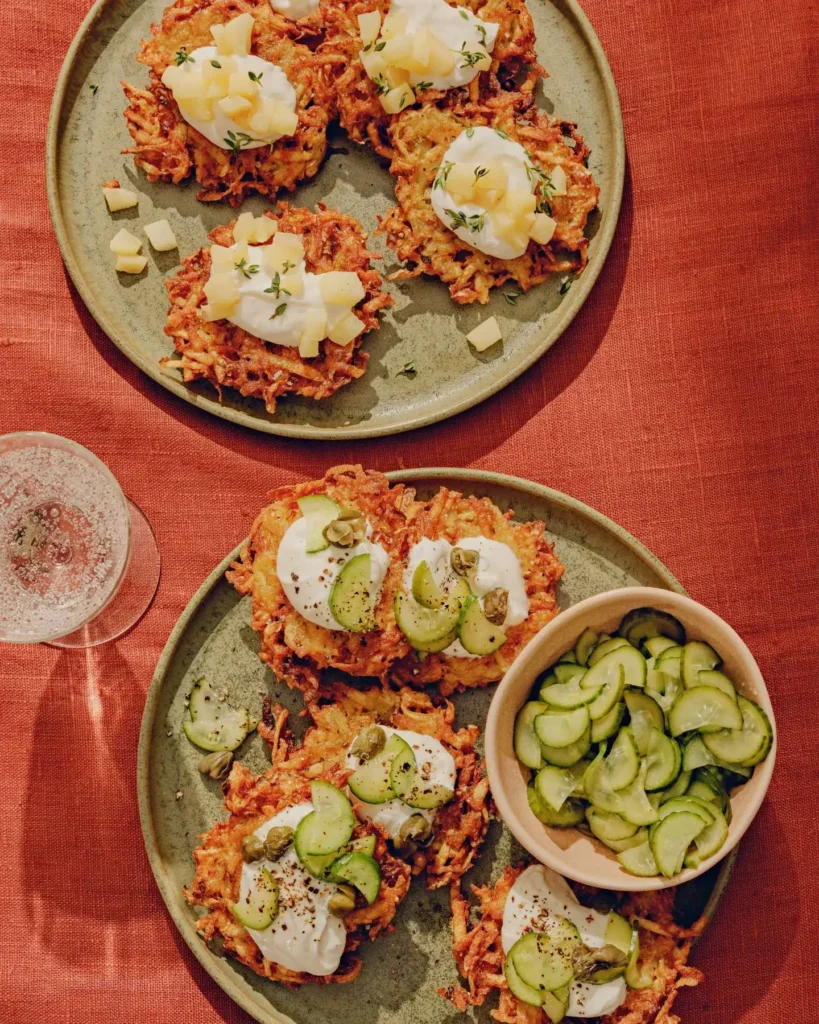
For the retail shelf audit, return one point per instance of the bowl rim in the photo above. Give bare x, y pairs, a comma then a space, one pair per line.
526, 663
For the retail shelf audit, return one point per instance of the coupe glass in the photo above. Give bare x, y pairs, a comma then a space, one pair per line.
79, 564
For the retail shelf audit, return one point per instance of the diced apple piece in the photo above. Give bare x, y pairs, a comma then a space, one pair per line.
119, 198
342, 287
238, 34
221, 40
374, 63
212, 311
441, 58
517, 201
460, 182
261, 123
222, 259
217, 80
244, 227
395, 77
543, 228
397, 48
312, 333
125, 244
221, 289
285, 248
368, 26
131, 264
293, 283
494, 178
346, 330
396, 100
490, 198
422, 49
186, 85
510, 229
284, 121
241, 84
232, 106
309, 347
485, 335
171, 76
198, 109
161, 236
264, 228
559, 180
394, 25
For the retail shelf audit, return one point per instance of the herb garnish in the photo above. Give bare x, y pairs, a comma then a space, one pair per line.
380, 46
502, 133
254, 77
565, 286
463, 14
216, 64
246, 270
381, 85
93, 89
470, 132
443, 174
408, 369
288, 266
276, 287
471, 57
474, 221
279, 310
236, 141
480, 172
182, 57
422, 86
482, 32
512, 297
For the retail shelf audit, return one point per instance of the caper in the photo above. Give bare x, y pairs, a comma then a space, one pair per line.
369, 742
342, 901
589, 962
252, 848
216, 765
464, 561
340, 533
416, 831
495, 606
277, 840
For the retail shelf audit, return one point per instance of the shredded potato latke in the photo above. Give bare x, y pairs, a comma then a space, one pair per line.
167, 148
341, 712
664, 949
297, 649
251, 801
509, 82
228, 356
420, 139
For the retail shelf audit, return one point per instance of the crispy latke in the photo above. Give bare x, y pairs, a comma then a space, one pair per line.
295, 648
341, 712
420, 139
228, 356
509, 82
167, 148
251, 801
478, 952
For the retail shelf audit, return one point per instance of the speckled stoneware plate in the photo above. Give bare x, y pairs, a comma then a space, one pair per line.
87, 131
213, 637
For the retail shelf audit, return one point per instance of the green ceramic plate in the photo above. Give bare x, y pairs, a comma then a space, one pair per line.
213, 637
87, 131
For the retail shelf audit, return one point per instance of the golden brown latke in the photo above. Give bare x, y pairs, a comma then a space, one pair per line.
420, 139
167, 148
341, 712
251, 801
228, 356
509, 82
297, 650
664, 949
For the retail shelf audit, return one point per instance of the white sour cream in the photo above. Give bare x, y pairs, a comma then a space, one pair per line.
307, 578
539, 893
294, 9
498, 566
304, 936
256, 309
477, 146
274, 85
437, 767
458, 27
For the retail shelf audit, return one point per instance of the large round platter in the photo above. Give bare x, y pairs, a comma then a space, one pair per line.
87, 131
213, 637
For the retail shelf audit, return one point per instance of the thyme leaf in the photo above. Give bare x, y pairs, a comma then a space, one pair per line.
381, 85
512, 297
182, 57
443, 174
471, 57
473, 222
276, 287
408, 369
93, 88
422, 86
246, 270
238, 140
254, 77
565, 286
216, 64
279, 310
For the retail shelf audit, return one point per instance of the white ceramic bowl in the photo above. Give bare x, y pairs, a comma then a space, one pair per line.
568, 851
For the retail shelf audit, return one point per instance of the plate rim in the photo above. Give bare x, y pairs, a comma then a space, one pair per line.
212, 964
570, 306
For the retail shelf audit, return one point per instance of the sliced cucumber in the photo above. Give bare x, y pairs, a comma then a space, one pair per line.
568, 673
565, 757
351, 596
555, 1004
672, 687
670, 839
619, 933
643, 623
403, 769
360, 870
711, 677
225, 736
568, 696
328, 827
571, 813
709, 841
554, 786
696, 657
569, 658
610, 695
669, 660
261, 905
607, 826
645, 714
690, 805
605, 647
424, 627
619, 845
371, 781
623, 761
319, 867
215, 724
663, 760
598, 789
656, 645
519, 990
585, 645
424, 588
319, 511
702, 791
678, 788
562, 729
634, 804
527, 745
704, 708
608, 724
543, 960
477, 634
637, 976
364, 844
638, 860
747, 745
696, 754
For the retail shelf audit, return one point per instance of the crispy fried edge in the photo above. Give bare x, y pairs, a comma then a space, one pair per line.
228, 356
215, 885
478, 953
420, 139
167, 148
340, 712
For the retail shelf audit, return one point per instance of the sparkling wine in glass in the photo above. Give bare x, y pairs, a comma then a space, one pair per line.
79, 564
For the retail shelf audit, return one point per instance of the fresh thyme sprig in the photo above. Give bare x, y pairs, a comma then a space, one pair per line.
512, 297
257, 78
238, 140
480, 172
246, 270
182, 57
276, 287
443, 174
93, 89
279, 310
423, 86
473, 222
408, 369
381, 85
502, 133
216, 64
471, 57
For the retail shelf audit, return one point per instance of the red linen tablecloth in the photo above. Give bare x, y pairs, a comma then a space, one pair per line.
682, 403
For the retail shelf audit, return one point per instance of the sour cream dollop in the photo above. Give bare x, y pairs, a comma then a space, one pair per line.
273, 85
307, 578
294, 9
477, 146
539, 893
433, 761
304, 935
458, 28
498, 566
